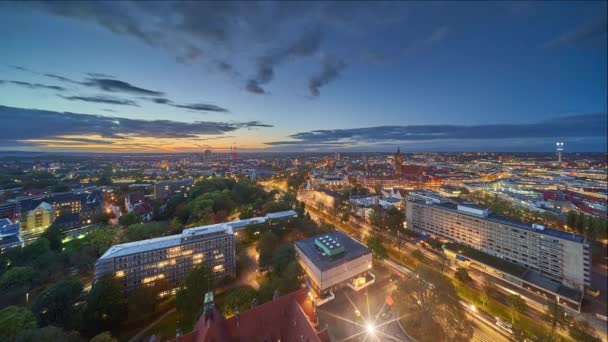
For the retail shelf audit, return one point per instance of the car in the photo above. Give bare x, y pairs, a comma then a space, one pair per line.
592, 292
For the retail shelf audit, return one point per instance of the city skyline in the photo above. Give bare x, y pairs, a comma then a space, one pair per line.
185, 77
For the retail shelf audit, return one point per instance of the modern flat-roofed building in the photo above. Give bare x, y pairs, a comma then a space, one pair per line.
332, 261
9, 234
560, 257
170, 257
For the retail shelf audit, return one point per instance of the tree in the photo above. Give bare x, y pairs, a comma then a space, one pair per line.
17, 278
55, 305
106, 306
55, 236
105, 336
462, 275
394, 219
376, 245
238, 298
145, 299
434, 314
283, 255
49, 333
583, 331
484, 296
376, 218
128, 219
191, 293
13, 320
268, 242
517, 306
556, 316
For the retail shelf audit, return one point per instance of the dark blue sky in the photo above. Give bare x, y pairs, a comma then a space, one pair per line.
179, 76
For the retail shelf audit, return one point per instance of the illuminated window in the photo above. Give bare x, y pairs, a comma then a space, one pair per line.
120, 274
218, 268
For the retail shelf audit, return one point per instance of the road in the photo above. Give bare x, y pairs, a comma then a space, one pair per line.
483, 329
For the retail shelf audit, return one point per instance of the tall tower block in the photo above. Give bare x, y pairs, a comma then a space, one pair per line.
559, 148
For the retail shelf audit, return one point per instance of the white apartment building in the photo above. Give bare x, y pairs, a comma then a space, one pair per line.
561, 257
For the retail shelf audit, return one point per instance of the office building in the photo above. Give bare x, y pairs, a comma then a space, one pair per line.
171, 257
561, 257
332, 261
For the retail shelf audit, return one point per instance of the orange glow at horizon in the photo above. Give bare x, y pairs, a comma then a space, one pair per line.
126, 143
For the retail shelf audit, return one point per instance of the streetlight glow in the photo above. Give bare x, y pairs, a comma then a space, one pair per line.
371, 329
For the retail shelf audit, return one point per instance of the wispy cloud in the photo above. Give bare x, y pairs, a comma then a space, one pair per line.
33, 85
101, 99
590, 34
114, 85
583, 125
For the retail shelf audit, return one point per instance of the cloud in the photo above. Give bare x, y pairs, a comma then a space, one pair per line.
62, 78
202, 107
437, 36
307, 45
33, 85
26, 124
113, 85
101, 99
582, 125
99, 75
219, 30
331, 69
592, 34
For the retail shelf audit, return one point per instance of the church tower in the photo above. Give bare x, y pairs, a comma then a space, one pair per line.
398, 167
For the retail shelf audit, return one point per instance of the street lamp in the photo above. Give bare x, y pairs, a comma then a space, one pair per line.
371, 329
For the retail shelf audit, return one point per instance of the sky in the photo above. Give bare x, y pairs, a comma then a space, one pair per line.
303, 76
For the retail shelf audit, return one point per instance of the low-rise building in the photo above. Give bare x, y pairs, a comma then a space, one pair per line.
9, 234
332, 261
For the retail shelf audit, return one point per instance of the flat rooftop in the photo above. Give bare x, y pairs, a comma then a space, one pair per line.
175, 240
323, 261
503, 220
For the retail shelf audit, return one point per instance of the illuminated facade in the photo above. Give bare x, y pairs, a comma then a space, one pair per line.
171, 257
555, 255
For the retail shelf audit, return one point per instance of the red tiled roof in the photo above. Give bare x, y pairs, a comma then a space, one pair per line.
288, 318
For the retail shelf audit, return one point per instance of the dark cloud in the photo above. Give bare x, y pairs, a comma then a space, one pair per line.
62, 78
113, 85
307, 45
330, 71
26, 124
101, 99
33, 85
592, 34
202, 107
583, 125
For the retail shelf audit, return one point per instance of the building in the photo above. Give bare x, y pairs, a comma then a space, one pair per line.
166, 188
170, 257
140, 205
390, 202
332, 261
290, 317
364, 200
398, 167
9, 234
557, 256
68, 209
39, 218
325, 198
